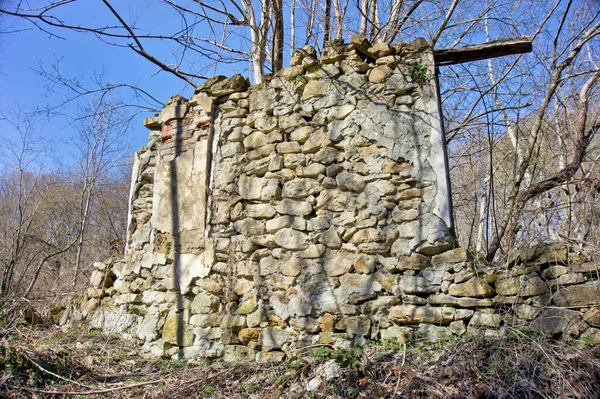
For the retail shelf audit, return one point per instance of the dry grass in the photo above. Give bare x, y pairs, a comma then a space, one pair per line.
42, 361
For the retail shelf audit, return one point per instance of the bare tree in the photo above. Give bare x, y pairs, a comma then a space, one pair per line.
101, 132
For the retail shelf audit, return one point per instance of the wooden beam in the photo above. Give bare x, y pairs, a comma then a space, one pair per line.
496, 48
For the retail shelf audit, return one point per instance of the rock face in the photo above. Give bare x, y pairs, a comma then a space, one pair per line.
310, 209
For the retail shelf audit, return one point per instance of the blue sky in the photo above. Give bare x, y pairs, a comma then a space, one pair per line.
81, 55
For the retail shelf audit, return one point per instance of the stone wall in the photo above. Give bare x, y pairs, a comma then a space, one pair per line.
313, 209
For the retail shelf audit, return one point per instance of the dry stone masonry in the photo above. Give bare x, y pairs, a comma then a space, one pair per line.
313, 209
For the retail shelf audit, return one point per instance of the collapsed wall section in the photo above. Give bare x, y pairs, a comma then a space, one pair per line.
310, 209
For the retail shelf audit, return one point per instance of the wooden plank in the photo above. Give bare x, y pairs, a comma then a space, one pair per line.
496, 48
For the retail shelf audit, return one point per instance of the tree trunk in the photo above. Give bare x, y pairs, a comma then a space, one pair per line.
364, 12
327, 22
83, 227
277, 52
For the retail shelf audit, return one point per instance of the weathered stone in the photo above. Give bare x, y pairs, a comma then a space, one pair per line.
417, 285
586, 267
463, 302
350, 182
273, 338
290, 147
291, 267
355, 326
475, 287
410, 229
481, 319
291, 122
261, 152
238, 353
521, 286
380, 74
409, 194
364, 264
248, 334
206, 320
592, 317
400, 216
301, 134
250, 227
255, 140
457, 328
291, 239
312, 170
578, 295
227, 86
204, 303
368, 235
337, 263
454, 256
555, 271
402, 334
254, 188
357, 288
331, 239
299, 306
314, 251
403, 263
267, 266
316, 88
315, 142
421, 314
260, 211
301, 188
379, 50
176, 331
568, 279
249, 305
101, 279
278, 223
554, 321
433, 333
177, 107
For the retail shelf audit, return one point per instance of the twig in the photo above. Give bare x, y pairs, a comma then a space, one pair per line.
85, 393
50, 372
403, 362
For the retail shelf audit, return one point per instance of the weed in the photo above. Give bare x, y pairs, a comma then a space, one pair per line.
588, 342
418, 73
209, 389
351, 358
322, 353
529, 333
298, 78
393, 344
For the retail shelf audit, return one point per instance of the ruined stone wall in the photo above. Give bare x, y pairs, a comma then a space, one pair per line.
311, 209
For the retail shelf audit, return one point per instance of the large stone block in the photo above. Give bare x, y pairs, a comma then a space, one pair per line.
179, 195
417, 285
578, 295
475, 287
176, 331
256, 188
554, 321
411, 314
301, 188
291, 239
337, 263
521, 286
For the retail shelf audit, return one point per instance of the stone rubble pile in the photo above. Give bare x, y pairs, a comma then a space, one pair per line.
314, 209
